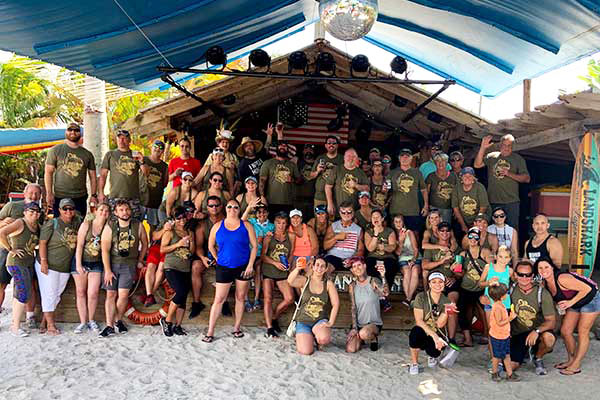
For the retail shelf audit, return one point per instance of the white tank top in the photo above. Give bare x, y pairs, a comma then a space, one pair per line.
504, 234
345, 248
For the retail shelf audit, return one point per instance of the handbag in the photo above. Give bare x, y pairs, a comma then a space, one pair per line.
291, 330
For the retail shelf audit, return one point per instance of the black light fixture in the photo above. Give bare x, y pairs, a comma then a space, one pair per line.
260, 58
399, 65
400, 101
325, 64
215, 55
434, 117
359, 65
229, 100
297, 60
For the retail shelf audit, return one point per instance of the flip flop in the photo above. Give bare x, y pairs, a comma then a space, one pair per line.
569, 372
562, 365
238, 334
465, 345
54, 332
208, 339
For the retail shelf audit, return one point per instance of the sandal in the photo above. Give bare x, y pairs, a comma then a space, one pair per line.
567, 371
562, 365
238, 334
208, 339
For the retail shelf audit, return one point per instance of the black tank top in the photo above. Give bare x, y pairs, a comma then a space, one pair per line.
565, 294
533, 253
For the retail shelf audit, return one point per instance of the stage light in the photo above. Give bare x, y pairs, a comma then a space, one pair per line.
434, 117
359, 65
260, 58
399, 65
400, 101
229, 100
325, 64
215, 55
297, 60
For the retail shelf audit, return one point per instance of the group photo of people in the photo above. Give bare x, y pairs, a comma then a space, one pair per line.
278, 221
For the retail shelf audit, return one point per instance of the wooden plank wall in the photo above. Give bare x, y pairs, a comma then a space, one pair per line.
400, 317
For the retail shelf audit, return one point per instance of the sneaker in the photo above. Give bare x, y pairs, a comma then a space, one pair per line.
248, 306
374, 345
276, 326
539, 367
19, 333
149, 301
432, 362
496, 377
167, 327
413, 369
196, 309
271, 333
386, 305
93, 326
31, 323
226, 309
121, 328
80, 328
178, 330
513, 378
257, 305
107, 331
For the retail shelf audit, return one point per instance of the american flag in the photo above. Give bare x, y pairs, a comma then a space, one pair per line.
317, 116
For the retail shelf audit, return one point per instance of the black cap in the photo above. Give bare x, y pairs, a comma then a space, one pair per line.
123, 132
159, 143
32, 205
406, 150
443, 224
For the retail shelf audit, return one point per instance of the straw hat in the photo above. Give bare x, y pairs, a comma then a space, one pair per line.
246, 139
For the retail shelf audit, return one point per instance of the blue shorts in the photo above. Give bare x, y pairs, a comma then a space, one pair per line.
93, 266
302, 327
405, 263
500, 347
591, 307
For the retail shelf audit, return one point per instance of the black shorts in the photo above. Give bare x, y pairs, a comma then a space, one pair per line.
274, 279
519, 349
5, 277
454, 288
379, 328
228, 275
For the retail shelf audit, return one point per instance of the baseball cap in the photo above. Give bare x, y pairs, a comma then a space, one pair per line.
280, 214
406, 151
440, 155
437, 144
444, 224
295, 212
250, 178
73, 126
321, 209
375, 150
480, 217
436, 275
66, 202
32, 205
159, 143
123, 132
186, 173
467, 170
457, 154
309, 146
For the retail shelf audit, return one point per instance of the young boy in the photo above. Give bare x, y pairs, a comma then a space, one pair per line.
500, 333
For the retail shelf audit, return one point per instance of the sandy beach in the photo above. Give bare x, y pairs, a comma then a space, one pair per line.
144, 364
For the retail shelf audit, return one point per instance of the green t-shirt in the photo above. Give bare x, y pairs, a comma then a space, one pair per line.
124, 174
12, 209
440, 192
436, 255
382, 238
405, 191
469, 203
155, 181
470, 280
71, 167
330, 165
502, 189
179, 259
423, 301
280, 174
341, 178
307, 189
529, 313
62, 241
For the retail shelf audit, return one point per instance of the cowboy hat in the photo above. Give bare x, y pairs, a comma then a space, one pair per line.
246, 139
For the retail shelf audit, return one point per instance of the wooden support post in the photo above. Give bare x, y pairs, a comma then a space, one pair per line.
574, 145
526, 95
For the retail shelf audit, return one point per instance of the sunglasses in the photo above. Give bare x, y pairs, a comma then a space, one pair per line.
473, 237
346, 212
444, 231
331, 143
229, 207
455, 159
386, 161
214, 205
187, 179
74, 130
522, 275
218, 180
68, 209
499, 215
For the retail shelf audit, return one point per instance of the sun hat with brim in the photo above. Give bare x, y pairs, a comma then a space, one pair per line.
436, 275
246, 139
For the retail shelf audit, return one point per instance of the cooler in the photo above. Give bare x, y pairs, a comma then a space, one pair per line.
551, 200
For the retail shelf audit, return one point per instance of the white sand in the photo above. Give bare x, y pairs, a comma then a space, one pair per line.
144, 364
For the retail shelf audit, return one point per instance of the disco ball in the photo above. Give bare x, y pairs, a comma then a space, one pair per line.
348, 19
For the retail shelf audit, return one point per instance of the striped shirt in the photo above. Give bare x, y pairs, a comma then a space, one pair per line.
345, 248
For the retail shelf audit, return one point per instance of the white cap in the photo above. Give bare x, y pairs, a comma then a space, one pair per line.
186, 173
437, 275
295, 212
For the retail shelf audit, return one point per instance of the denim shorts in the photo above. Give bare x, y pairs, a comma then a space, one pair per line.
93, 266
591, 307
500, 347
405, 263
302, 327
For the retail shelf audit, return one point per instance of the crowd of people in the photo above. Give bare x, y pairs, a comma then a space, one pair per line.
288, 219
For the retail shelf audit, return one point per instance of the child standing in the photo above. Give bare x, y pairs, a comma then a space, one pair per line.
500, 333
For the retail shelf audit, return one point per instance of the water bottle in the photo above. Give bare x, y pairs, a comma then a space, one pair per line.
284, 260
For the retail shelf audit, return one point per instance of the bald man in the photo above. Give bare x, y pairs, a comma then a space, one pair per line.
542, 243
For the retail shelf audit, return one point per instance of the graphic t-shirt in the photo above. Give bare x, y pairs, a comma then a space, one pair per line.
405, 191
440, 192
344, 183
281, 176
437, 255
502, 189
191, 165
529, 313
124, 174
71, 169
330, 165
472, 267
249, 167
307, 189
62, 241
470, 202
382, 238
155, 181
431, 310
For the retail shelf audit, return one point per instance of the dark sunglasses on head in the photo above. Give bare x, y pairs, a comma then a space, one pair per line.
499, 215
68, 209
522, 275
213, 205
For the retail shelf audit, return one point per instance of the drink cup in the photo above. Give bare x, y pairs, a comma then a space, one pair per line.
284, 260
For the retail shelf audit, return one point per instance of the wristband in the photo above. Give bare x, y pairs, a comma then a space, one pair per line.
95, 195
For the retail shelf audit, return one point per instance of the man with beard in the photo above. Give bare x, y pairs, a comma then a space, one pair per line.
324, 166
124, 169
156, 179
67, 166
306, 191
440, 185
278, 179
347, 180
248, 151
121, 254
185, 162
469, 199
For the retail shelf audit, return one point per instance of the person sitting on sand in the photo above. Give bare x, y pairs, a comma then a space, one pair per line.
364, 293
318, 309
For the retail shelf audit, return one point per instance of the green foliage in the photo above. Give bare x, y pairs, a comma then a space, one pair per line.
593, 74
18, 170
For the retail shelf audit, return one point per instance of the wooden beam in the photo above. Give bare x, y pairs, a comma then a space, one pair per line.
574, 145
526, 95
553, 135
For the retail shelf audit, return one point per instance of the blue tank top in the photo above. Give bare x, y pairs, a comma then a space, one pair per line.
234, 246
503, 277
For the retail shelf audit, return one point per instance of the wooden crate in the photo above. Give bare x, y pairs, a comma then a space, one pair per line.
400, 317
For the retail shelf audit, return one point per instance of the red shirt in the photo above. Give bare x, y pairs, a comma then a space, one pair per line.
191, 165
